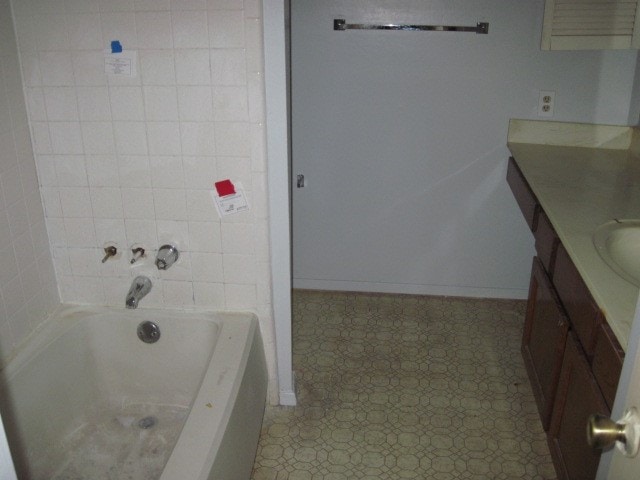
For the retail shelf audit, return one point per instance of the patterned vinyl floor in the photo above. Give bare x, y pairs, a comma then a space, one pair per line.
395, 387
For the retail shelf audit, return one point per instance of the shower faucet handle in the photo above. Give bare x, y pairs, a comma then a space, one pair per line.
137, 254
109, 252
167, 256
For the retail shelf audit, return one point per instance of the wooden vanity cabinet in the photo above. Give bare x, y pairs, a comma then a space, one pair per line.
571, 355
523, 194
543, 342
578, 396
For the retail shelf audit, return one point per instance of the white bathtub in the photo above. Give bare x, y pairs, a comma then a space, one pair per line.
77, 398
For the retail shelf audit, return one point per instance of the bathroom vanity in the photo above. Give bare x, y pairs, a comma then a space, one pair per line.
569, 180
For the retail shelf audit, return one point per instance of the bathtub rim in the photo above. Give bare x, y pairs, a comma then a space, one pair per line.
194, 455
66, 315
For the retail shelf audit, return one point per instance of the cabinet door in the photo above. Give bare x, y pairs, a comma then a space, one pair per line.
591, 25
578, 396
543, 341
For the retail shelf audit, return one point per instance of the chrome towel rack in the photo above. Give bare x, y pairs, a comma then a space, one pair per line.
341, 24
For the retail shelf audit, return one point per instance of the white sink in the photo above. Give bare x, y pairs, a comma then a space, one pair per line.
618, 243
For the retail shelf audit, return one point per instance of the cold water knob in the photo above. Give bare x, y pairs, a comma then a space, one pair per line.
167, 256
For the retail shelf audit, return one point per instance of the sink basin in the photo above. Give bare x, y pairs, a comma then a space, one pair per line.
618, 243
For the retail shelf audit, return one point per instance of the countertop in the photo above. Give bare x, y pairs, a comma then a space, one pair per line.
584, 176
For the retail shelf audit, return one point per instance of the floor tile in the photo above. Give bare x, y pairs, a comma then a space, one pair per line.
401, 386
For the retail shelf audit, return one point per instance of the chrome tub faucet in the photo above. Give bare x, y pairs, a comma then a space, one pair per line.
139, 288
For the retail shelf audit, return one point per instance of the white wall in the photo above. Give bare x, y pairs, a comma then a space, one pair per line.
28, 290
402, 137
133, 160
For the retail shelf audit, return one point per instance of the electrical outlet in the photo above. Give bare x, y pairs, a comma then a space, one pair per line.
546, 103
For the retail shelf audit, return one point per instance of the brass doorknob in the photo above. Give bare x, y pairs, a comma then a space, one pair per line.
602, 432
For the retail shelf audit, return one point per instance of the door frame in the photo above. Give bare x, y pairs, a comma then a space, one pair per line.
276, 68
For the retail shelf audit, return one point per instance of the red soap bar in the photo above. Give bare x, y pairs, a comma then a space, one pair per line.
224, 188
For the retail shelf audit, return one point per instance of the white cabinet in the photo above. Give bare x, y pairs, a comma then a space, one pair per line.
591, 24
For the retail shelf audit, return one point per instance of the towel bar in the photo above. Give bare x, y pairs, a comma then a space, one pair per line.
341, 24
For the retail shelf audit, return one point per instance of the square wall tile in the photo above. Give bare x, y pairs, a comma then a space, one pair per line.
161, 103
240, 297
199, 172
154, 29
239, 269
80, 232
94, 103
157, 67
169, 204
205, 237
84, 31
226, 29
134, 171
232, 139
209, 295
174, 232
190, 29
81, 6
76, 202
126, 103
166, 171
51, 32
66, 137
131, 138
192, 67
164, 138
88, 68
200, 206
188, 4
70, 170
119, 26
238, 238
230, 103
141, 231
56, 69
198, 138
102, 171
177, 293
195, 103
138, 203
61, 104
107, 203
98, 138
207, 267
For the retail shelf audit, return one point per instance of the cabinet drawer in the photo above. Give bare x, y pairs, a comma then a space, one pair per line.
584, 314
524, 195
607, 362
546, 242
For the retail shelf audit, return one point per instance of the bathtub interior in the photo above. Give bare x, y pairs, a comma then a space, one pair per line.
98, 381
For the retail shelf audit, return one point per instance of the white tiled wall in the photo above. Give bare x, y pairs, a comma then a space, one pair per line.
28, 289
133, 160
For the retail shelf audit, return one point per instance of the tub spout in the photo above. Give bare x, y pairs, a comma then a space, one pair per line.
139, 288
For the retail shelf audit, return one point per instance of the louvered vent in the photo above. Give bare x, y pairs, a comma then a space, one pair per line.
589, 24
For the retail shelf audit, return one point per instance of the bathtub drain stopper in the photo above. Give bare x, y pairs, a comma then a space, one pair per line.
147, 422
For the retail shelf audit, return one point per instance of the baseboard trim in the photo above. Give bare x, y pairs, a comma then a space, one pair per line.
411, 289
288, 398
